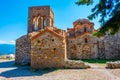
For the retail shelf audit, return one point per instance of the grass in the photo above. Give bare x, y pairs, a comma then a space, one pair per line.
99, 61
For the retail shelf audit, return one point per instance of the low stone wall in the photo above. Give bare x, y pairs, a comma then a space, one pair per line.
72, 64
113, 65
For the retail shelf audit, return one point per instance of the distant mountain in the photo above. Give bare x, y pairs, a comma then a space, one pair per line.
7, 49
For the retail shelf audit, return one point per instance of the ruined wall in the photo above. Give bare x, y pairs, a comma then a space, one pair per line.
110, 48
101, 49
22, 55
48, 51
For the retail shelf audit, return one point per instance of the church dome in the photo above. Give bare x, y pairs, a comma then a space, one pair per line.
81, 21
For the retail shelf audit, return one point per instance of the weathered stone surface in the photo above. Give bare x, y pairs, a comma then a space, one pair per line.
40, 17
112, 47
47, 46
72, 64
108, 47
22, 55
48, 50
113, 65
80, 42
82, 45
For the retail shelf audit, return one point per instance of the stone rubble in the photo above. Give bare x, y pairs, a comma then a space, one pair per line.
113, 65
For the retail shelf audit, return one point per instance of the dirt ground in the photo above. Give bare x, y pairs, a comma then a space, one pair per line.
8, 71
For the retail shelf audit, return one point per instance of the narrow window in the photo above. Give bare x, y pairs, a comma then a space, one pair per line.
39, 48
39, 23
86, 41
44, 23
85, 29
35, 22
54, 49
38, 41
52, 40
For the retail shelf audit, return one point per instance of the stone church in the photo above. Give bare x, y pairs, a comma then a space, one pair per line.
47, 46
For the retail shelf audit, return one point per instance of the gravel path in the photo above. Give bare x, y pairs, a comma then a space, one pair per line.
10, 72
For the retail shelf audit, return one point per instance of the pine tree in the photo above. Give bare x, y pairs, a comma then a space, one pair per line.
109, 11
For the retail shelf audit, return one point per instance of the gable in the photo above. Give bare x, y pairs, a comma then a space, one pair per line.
40, 33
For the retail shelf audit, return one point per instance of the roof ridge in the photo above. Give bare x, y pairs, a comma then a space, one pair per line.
49, 30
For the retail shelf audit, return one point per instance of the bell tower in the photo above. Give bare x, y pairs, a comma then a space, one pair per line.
40, 17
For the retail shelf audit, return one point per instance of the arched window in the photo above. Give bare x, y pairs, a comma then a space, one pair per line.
35, 23
86, 41
39, 22
44, 23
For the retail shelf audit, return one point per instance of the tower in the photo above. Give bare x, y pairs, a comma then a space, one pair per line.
40, 17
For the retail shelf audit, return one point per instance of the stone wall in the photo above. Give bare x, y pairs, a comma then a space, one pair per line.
80, 42
109, 47
82, 45
101, 49
41, 17
48, 51
22, 55
79, 49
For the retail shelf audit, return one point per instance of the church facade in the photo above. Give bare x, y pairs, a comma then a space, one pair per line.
47, 46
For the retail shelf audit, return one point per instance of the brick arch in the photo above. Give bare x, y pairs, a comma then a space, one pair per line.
35, 23
39, 22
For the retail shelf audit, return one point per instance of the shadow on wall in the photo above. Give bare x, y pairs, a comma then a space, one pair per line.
20, 71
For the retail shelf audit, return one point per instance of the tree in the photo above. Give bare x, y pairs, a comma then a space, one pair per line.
109, 11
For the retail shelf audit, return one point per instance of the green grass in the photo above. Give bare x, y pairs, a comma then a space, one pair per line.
100, 61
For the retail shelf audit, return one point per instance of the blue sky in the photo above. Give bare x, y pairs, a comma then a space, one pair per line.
14, 13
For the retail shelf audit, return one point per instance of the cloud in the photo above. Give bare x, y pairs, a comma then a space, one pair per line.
7, 42
12, 42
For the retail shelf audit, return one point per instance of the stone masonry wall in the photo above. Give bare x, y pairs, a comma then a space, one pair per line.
48, 51
78, 49
110, 48
41, 13
22, 55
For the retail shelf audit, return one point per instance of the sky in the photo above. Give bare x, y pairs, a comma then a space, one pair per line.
14, 16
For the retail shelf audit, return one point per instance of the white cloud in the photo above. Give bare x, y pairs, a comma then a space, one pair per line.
7, 42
